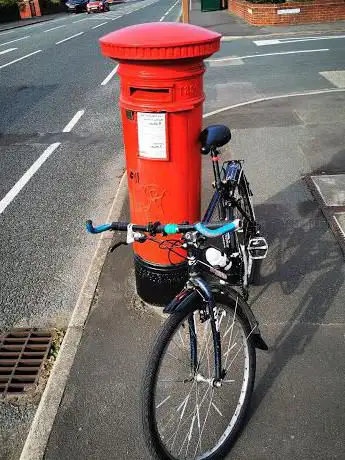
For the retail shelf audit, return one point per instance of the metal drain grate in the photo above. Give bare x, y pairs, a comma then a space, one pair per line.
22, 354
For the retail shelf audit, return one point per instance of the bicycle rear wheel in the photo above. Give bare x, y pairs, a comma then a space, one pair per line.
184, 415
241, 192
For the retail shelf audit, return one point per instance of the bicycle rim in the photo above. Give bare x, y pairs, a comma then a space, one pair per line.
188, 418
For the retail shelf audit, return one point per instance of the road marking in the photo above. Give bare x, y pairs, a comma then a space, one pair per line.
19, 59
70, 125
80, 20
272, 98
69, 38
280, 41
165, 14
26, 177
8, 50
336, 77
263, 55
8, 32
111, 17
57, 27
16, 40
99, 25
110, 76
227, 62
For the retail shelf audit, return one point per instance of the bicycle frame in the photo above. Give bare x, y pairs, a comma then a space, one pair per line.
233, 173
198, 286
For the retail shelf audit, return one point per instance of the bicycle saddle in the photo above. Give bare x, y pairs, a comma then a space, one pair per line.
214, 136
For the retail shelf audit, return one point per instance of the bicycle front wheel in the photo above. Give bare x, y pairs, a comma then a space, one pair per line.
184, 415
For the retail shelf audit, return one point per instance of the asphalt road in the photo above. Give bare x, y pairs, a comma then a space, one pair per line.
47, 78
45, 252
254, 68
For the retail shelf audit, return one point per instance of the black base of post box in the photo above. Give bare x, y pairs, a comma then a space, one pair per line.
158, 284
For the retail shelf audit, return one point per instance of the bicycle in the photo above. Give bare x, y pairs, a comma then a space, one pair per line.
202, 364
232, 199
206, 346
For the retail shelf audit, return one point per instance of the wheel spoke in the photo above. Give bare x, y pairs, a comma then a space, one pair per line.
241, 347
192, 417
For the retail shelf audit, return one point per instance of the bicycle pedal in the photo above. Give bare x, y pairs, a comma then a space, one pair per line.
257, 248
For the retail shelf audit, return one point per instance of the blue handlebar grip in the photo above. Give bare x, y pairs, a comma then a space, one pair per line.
230, 227
99, 229
170, 229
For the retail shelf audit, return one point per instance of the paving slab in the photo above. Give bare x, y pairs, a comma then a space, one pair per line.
31, 21
331, 188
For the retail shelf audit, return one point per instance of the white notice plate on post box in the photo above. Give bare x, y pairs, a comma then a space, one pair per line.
152, 135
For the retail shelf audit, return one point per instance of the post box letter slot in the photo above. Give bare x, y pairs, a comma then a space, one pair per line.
151, 94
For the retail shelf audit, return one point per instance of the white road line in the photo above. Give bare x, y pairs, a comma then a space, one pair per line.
20, 59
266, 54
111, 18
26, 177
272, 98
8, 50
16, 40
280, 41
57, 27
69, 38
99, 25
70, 125
167, 12
110, 76
80, 20
336, 77
8, 32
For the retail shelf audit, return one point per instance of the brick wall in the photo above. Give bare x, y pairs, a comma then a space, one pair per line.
300, 12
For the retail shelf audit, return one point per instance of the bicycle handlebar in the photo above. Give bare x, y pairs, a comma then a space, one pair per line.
210, 230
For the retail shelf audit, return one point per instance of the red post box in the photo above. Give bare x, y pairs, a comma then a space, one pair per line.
161, 73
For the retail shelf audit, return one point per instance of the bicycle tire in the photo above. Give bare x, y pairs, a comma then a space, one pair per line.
255, 273
149, 405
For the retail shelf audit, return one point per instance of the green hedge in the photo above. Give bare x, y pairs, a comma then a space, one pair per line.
52, 6
9, 12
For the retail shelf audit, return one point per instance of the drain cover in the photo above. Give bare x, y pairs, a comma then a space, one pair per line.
22, 354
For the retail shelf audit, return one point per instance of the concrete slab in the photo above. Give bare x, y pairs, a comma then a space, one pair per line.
336, 77
331, 188
339, 218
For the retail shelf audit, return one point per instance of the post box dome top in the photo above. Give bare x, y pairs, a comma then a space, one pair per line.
159, 41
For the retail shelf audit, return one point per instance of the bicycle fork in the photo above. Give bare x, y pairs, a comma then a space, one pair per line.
207, 297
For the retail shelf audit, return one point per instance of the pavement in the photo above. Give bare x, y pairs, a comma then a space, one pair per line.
30, 22
297, 409
230, 25
284, 101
